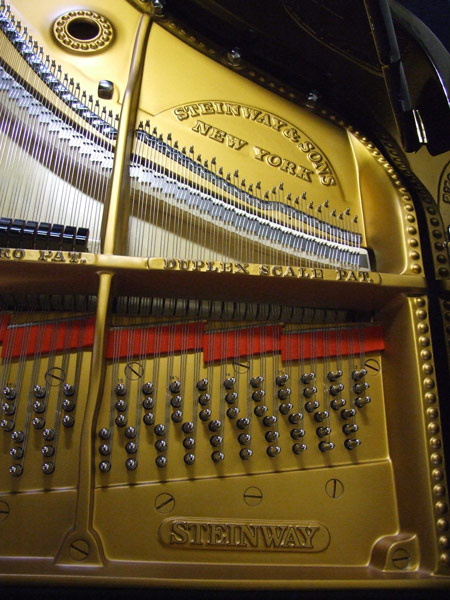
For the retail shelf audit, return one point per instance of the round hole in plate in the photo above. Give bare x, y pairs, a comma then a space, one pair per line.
83, 29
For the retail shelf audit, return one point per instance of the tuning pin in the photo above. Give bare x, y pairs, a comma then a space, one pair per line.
175, 386
260, 410
284, 393
176, 401
282, 379
204, 399
205, 414
189, 443
311, 405
215, 425
295, 418
160, 429
337, 403
121, 420
232, 412
48, 468
349, 428
104, 466
229, 382
285, 408
9, 408
326, 446
336, 389
16, 453
297, 434
202, 384
309, 392
359, 388
147, 388
17, 436
148, 418
362, 401
244, 439
323, 431
243, 423
258, 395
189, 458
321, 416
48, 451
256, 381
273, 451
245, 453
352, 444
218, 456
121, 389
358, 374
121, 405
9, 393
161, 461
48, 434
334, 375
132, 463
188, 427
148, 403
307, 378
67, 405
272, 436
39, 391
104, 449
348, 413
298, 448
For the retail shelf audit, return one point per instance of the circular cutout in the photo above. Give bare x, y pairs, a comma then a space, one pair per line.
83, 31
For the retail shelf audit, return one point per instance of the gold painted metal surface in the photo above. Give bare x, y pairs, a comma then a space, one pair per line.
124, 502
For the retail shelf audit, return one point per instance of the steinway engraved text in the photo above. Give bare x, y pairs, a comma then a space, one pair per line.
217, 534
308, 149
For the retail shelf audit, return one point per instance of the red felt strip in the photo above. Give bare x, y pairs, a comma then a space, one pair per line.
249, 341
331, 342
129, 342
4, 320
61, 336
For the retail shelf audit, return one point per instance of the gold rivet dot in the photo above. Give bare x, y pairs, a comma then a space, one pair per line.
438, 474
442, 524
441, 507
444, 541
433, 428
439, 490
435, 443
436, 459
